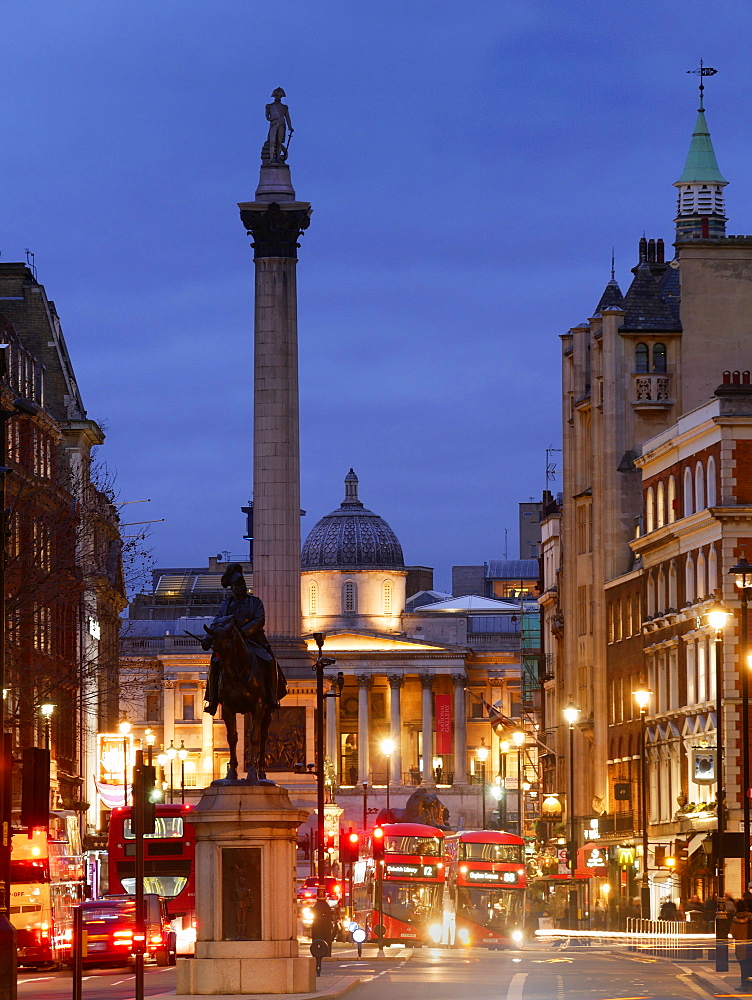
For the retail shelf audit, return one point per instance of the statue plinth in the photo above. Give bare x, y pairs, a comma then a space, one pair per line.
275, 183
246, 936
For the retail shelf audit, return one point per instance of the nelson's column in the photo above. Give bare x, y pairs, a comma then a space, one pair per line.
276, 220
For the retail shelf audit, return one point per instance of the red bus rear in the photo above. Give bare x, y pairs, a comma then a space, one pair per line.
412, 885
484, 904
169, 863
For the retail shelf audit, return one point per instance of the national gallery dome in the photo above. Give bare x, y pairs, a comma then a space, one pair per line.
352, 537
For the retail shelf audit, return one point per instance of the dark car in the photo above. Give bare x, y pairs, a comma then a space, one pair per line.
306, 895
109, 926
161, 939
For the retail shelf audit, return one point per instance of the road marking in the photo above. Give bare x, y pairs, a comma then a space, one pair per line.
686, 981
516, 986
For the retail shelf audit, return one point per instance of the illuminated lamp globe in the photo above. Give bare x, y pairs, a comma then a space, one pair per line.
551, 806
482, 751
717, 616
571, 714
124, 727
387, 747
642, 697
518, 737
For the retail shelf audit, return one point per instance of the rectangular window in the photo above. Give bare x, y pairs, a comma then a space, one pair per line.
152, 707
189, 707
581, 610
581, 529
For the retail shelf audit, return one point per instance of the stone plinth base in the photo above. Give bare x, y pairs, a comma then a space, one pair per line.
228, 976
245, 895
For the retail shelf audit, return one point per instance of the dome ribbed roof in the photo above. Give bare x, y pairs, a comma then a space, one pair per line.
352, 537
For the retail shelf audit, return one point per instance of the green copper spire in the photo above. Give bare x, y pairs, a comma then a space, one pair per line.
701, 166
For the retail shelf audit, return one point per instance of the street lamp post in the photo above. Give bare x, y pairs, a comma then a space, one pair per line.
518, 737
387, 748
482, 754
717, 617
742, 573
571, 716
321, 662
125, 728
47, 711
365, 806
182, 754
642, 697
171, 755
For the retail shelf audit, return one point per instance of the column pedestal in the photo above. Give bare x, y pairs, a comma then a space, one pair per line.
245, 895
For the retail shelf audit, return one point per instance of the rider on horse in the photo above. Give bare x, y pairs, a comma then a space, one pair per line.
247, 613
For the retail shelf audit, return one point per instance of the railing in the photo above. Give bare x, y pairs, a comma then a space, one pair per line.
651, 390
668, 938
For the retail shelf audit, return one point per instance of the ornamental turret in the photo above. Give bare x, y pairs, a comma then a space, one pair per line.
701, 212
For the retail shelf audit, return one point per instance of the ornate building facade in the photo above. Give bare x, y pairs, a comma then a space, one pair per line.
650, 521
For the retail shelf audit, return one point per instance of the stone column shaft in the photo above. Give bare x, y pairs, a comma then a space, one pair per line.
169, 713
332, 728
460, 729
275, 227
365, 682
426, 681
395, 725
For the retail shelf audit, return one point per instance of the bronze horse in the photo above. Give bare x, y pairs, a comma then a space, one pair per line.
243, 692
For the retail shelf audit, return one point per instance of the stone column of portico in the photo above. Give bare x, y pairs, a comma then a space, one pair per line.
332, 728
365, 682
460, 729
426, 681
207, 747
168, 727
275, 220
395, 725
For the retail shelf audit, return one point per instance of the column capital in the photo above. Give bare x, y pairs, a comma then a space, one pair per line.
275, 228
426, 681
459, 680
364, 680
396, 680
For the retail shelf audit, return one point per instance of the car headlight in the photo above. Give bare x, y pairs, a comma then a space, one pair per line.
435, 931
517, 936
464, 935
307, 915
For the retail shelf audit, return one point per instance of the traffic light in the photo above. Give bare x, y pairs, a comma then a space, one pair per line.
377, 843
35, 788
349, 846
151, 795
329, 842
681, 853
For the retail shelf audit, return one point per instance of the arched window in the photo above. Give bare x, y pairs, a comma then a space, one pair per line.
673, 597
641, 358
701, 582
649, 510
313, 598
688, 508
671, 500
689, 580
349, 597
651, 596
386, 596
660, 597
710, 492
660, 506
659, 357
712, 570
699, 487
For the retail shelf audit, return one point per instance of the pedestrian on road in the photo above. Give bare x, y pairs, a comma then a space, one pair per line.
741, 932
710, 908
668, 910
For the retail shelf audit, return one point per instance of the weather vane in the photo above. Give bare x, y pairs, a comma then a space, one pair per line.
701, 72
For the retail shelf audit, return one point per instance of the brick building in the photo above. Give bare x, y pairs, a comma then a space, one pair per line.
64, 582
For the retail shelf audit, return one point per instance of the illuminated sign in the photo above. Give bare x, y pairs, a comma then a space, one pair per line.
115, 753
94, 628
414, 871
626, 856
597, 859
507, 878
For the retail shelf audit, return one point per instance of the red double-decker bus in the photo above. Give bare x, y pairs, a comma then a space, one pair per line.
412, 885
169, 864
484, 901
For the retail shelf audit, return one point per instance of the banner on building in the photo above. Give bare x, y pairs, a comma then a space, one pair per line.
443, 723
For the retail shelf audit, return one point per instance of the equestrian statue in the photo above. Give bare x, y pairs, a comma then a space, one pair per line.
244, 676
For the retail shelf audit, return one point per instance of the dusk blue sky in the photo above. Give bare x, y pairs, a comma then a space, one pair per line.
470, 167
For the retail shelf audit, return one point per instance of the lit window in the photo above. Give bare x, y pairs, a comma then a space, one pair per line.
387, 596
349, 594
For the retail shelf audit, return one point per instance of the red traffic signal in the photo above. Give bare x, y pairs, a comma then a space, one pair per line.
377, 843
349, 847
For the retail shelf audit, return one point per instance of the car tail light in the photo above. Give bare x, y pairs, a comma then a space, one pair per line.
155, 939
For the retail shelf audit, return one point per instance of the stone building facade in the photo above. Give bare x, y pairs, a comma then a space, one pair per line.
648, 460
